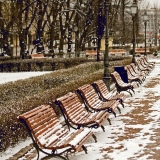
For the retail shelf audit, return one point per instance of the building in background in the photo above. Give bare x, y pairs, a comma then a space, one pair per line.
153, 26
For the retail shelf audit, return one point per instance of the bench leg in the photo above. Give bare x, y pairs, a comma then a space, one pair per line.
121, 102
109, 121
140, 82
110, 110
119, 109
132, 90
137, 84
114, 113
129, 93
94, 137
84, 148
103, 128
37, 149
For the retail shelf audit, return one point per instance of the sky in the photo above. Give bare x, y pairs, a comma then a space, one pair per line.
114, 143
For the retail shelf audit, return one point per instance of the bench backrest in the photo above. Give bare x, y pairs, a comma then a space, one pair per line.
92, 100
42, 122
142, 68
129, 69
142, 50
117, 78
101, 88
117, 51
71, 107
34, 56
88, 94
134, 67
91, 52
75, 113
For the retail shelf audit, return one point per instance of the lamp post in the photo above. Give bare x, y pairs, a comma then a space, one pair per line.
145, 19
69, 38
159, 34
106, 77
100, 29
75, 29
133, 11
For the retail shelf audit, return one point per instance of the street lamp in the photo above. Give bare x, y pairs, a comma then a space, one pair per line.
145, 19
75, 29
159, 34
133, 11
106, 77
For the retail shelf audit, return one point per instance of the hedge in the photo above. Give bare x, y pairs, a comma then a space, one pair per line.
23, 95
49, 64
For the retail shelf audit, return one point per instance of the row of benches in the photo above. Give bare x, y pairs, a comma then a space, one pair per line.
136, 75
48, 133
93, 53
142, 50
114, 52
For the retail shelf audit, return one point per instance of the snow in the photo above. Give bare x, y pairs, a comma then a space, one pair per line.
12, 76
113, 144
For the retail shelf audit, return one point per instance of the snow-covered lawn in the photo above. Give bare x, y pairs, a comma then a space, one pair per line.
12, 76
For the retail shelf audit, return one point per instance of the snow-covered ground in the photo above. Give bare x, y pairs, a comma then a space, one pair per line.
12, 76
117, 143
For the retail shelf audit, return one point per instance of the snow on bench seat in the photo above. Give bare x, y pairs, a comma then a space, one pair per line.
105, 95
47, 132
92, 100
76, 115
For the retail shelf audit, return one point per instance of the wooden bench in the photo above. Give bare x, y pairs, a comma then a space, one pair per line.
141, 50
150, 67
92, 100
91, 53
141, 67
137, 71
118, 52
131, 77
131, 71
120, 85
48, 133
146, 63
37, 56
105, 95
75, 114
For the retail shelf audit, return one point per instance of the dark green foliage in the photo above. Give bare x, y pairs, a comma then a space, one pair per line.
48, 64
